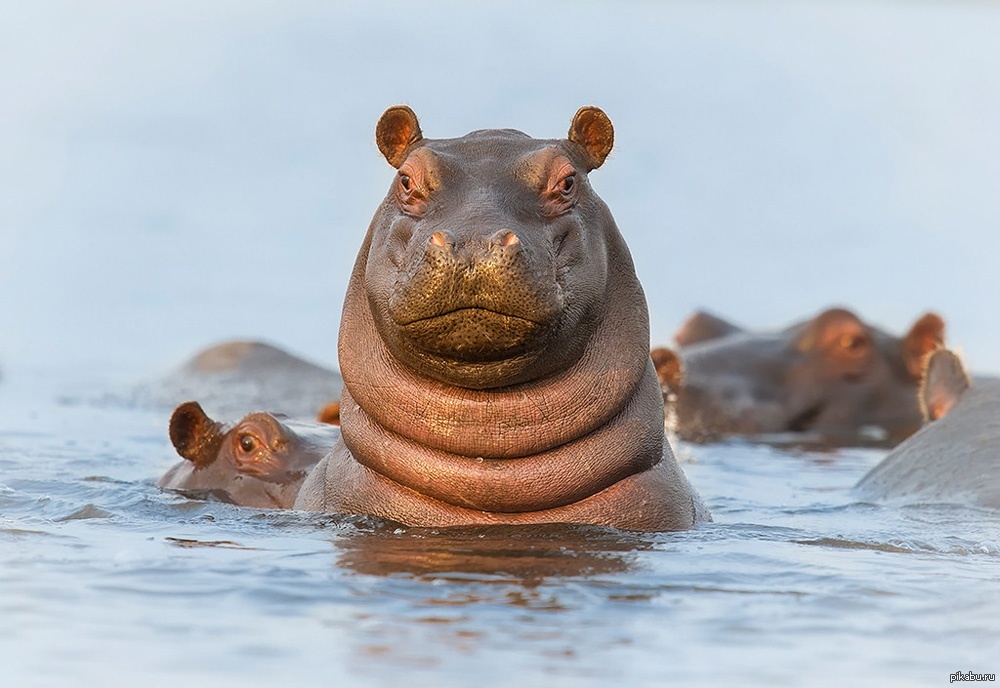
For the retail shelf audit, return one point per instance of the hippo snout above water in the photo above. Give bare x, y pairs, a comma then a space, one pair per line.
494, 345
260, 461
832, 376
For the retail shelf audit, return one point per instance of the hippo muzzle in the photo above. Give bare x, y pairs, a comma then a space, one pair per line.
477, 298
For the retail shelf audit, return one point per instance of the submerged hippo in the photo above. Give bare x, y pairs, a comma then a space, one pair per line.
237, 377
956, 458
494, 345
833, 376
260, 461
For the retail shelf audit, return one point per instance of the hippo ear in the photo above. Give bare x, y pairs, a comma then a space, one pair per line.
195, 436
591, 130
330, 414
926, 335
396, 132
945, 381
701, 327
669, 369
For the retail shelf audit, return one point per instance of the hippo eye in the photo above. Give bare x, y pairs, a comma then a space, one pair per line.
567, 184
248, 443
406, 182
852, 343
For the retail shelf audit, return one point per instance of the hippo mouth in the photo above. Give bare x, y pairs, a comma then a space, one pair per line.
474, 334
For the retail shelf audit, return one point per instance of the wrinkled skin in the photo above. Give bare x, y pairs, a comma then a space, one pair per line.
832, 378
261, 461
494, 345
956, 457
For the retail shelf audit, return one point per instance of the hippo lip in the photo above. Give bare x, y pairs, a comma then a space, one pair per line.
471, 309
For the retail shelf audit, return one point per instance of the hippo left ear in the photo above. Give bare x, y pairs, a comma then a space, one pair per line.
396, 132
591, 130
945, 381
195, 436
926, 335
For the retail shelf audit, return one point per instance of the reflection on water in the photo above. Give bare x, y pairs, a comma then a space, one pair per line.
527, 555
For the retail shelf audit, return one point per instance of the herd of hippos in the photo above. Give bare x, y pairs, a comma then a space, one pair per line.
496, 369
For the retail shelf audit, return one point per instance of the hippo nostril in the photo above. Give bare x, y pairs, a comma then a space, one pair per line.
505, 238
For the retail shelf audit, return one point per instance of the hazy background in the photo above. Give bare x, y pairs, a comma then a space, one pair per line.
176, 173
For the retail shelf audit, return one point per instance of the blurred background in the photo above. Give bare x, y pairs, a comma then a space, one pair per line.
177, 173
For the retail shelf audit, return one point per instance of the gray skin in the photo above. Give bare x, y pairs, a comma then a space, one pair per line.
237, 377
494, 345
832, 379
956, 457
261, 461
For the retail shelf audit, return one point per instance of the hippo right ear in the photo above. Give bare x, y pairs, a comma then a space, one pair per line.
591, 130
195, 436
945, 381
396, 132
702, 327
669, 369
926, 335
329, 414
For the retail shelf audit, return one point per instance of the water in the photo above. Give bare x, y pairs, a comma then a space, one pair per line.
176, 174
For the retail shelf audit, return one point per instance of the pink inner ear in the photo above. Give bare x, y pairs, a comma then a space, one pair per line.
938, 408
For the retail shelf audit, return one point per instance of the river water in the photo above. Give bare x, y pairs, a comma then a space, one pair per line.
179, 173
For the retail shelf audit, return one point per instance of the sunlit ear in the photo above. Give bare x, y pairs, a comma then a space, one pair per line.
926, 335
329, 414
591, 130
396, 132
194, 435
944, 383
702, 327
669, 369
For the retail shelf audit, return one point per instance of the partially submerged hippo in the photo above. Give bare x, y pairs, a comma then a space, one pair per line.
237, 377
833, 376
260, 461
956, 458
494, 345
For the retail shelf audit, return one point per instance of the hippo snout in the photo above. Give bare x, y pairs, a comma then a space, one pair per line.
484, 295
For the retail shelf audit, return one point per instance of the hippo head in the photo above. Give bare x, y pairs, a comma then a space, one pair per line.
259, 461
485, 266
832, 375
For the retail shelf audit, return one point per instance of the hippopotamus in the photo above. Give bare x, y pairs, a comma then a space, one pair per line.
234, 378
832, 377
956, 456
261, 461
494, 345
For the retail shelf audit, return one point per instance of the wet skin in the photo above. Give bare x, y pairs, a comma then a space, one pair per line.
832, 377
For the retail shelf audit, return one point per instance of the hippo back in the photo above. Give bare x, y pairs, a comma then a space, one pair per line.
954, 459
